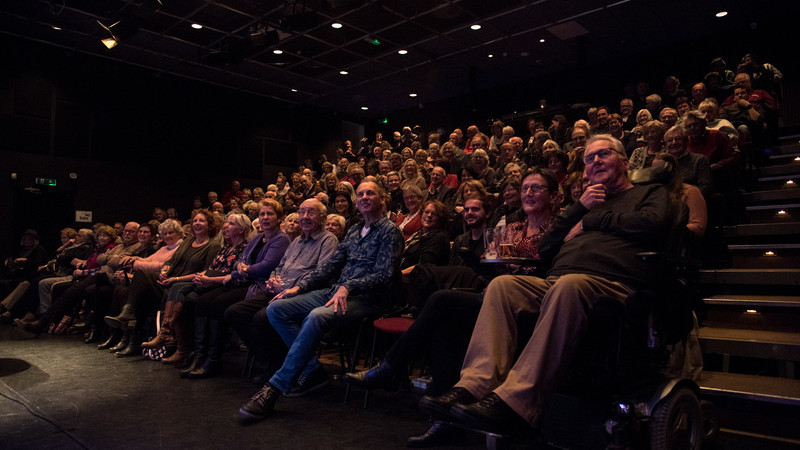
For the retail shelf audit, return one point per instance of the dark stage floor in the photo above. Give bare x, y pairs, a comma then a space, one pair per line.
60, 393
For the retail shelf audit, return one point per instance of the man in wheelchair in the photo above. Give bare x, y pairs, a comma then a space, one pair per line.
594, 247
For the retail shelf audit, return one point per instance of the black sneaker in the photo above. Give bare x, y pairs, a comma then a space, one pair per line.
310, 382
260, 404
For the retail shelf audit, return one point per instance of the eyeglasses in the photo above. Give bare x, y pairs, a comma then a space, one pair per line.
536, 188
307, 212
603, 153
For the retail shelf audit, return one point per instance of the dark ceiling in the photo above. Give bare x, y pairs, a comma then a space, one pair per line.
444, 56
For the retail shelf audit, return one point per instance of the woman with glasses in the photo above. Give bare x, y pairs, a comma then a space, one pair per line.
540, 199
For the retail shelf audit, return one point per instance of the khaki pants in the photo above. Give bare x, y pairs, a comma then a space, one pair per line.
563, 304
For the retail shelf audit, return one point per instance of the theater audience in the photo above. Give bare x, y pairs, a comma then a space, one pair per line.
394, 210
365, 263
248, 316
411, 221
148, 289
446, 320
235, 233
56, 319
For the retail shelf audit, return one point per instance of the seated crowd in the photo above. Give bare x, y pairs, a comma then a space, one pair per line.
402, 221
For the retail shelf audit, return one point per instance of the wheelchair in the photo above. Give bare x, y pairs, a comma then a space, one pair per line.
618, 393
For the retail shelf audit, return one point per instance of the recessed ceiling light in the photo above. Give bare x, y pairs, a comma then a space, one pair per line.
197, 26
56, 28
402, 52
490, 55
541, 41
475, 27
721, 14
343, 72
364, 108
294, 90
336, 25
412, 95
278, 51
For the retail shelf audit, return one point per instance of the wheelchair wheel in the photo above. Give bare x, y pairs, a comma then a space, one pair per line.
494, 442
677, 422
710, 421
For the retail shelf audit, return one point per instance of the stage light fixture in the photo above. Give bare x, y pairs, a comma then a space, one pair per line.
118, 31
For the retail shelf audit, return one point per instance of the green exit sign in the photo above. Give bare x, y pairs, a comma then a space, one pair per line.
46, 181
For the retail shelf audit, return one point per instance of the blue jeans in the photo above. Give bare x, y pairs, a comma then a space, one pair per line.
301, 321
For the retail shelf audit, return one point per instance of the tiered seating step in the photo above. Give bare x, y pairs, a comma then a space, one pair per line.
762, 229
781, 345
754, 312
777, 213
775, 301
774, 195
750, 387
792, 168
788, 277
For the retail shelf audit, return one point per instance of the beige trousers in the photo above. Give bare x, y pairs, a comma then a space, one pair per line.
563, 304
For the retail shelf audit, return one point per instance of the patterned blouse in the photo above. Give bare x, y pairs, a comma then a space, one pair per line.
225, 259
524, 245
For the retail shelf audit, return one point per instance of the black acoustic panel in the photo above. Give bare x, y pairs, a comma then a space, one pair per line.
279, 153
33, 96
72, 130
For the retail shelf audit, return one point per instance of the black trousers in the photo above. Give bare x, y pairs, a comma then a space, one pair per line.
248, 318
443, 328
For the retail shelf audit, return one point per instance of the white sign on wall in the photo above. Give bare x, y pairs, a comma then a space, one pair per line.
83, 216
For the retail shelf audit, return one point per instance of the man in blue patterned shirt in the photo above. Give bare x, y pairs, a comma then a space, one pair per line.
366, 263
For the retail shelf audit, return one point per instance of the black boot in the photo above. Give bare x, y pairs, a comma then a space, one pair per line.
123, 341
133, 347
94, 331
114, 336
200, 346
119, 321
217, 338
381, 376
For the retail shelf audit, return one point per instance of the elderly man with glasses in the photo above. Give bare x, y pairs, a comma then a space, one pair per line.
593, 246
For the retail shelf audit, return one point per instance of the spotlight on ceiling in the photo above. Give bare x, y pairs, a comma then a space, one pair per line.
118, 31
